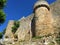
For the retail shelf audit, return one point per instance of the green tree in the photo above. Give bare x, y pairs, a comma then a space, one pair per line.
2, 14
1, 35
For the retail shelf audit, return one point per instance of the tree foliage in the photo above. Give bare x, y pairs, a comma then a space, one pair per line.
2, 14
15, 27
2, 17
1, 35
2, 3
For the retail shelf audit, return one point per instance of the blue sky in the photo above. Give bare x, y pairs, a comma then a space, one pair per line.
15, 9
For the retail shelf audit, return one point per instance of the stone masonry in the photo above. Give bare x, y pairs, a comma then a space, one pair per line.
43, 19
8, 34
43, 22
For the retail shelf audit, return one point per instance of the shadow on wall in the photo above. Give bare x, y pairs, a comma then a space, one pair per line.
33, 27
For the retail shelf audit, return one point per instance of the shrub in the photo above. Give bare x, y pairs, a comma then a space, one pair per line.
39, 37
58, 38
1, 35
15, 27
2, 3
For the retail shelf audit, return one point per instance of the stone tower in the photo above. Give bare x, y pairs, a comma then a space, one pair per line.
43, 18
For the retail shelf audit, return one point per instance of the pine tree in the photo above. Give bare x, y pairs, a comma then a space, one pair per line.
2, 14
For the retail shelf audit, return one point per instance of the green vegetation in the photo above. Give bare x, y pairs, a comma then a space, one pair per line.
15, 27
2, 17
1, 35
51, 43
58, 38
39, 37
21, 40
2, 14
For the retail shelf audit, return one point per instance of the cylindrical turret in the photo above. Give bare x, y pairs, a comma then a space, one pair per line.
43, 18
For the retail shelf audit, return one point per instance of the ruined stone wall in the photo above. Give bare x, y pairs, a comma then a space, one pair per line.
55, 8
8, 33
24, 31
